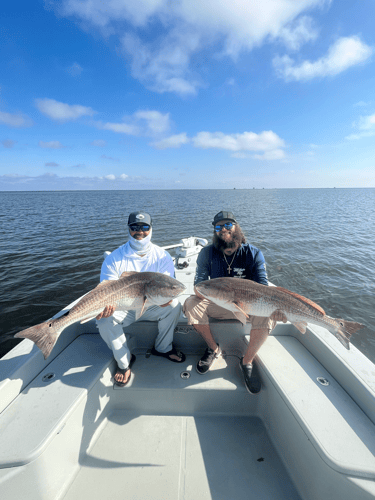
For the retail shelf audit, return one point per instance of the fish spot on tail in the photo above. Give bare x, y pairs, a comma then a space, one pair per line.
302, 299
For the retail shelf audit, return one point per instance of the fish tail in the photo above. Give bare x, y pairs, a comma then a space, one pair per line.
345, 330
43, 335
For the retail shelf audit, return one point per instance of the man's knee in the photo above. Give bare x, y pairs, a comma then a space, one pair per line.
190, 303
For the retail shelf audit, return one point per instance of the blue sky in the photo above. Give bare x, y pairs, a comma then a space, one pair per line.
156, 94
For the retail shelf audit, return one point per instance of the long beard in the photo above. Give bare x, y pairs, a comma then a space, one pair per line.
237, 238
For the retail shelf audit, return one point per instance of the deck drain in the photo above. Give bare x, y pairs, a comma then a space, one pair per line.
48, 376
322, 381
185, 375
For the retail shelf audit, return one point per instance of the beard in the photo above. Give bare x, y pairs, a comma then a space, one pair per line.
232, 240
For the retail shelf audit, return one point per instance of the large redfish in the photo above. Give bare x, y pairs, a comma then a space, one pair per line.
132, 291
245, 297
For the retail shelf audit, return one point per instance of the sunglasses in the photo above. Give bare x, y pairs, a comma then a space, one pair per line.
137, 227
227, 225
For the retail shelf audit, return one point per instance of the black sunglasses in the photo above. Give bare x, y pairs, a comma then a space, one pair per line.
137, 227
227, 225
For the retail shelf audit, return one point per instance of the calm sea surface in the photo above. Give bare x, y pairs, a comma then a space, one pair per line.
317, 242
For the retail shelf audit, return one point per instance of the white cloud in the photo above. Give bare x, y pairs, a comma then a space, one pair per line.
75, 69
298, 32
174, 141
106, 157
361, 104
119, 128
276, 154
241, 156
247, 141
111, 177
8, 143
15, 120
344, 53
366, 127
92, 11
61, 111
161, 37
156, 123
367, 122
147, 123
361, 135
99, 143
163, 67
50, 145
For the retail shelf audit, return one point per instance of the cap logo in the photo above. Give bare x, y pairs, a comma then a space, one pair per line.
140, 216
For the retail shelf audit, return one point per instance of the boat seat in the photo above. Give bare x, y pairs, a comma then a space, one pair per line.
339, 430
40, 411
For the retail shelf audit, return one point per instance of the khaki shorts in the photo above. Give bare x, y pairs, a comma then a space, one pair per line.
199, 311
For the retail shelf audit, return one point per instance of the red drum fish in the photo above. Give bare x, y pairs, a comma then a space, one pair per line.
245, 297
132, 291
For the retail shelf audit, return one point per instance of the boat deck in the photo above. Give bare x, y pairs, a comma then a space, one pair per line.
220, 452
182, 457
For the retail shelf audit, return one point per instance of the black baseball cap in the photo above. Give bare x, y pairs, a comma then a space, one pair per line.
223, 215
139, 218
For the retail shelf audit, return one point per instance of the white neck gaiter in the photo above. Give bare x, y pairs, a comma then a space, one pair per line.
140, 247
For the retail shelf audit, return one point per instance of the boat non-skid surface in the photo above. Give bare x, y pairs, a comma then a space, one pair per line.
182, 457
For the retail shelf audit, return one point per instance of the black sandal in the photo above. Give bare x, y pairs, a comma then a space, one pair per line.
123, 371
169, 354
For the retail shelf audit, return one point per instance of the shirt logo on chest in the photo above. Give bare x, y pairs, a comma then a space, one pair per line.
238, 272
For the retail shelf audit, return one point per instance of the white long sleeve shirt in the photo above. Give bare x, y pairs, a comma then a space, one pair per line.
126, 259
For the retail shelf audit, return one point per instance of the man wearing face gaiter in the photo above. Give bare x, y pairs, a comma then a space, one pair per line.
138, 254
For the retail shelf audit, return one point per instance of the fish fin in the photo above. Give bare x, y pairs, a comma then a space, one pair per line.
302, 299
241, 309
138, 315
43, 335
240, 316
125, 274
87, 319
346, 329
102, 283
301, 326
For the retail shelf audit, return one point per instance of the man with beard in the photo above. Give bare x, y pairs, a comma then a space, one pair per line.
140, 255
229, 256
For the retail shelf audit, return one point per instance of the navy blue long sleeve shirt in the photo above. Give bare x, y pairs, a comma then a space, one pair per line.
248, 263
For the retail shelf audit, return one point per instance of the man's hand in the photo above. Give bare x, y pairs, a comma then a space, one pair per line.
107, 312
279, 316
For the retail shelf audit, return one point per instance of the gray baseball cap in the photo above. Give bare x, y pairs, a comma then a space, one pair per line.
139, 218
223, 215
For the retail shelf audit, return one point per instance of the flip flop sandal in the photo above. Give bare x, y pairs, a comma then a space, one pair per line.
169, 353
123, 371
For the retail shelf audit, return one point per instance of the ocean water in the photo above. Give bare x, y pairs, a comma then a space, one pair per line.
317, 242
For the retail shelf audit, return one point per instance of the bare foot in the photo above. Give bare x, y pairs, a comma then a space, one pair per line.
176, 357
122, 376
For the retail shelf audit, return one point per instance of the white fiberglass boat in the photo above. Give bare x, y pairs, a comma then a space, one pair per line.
67, 433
